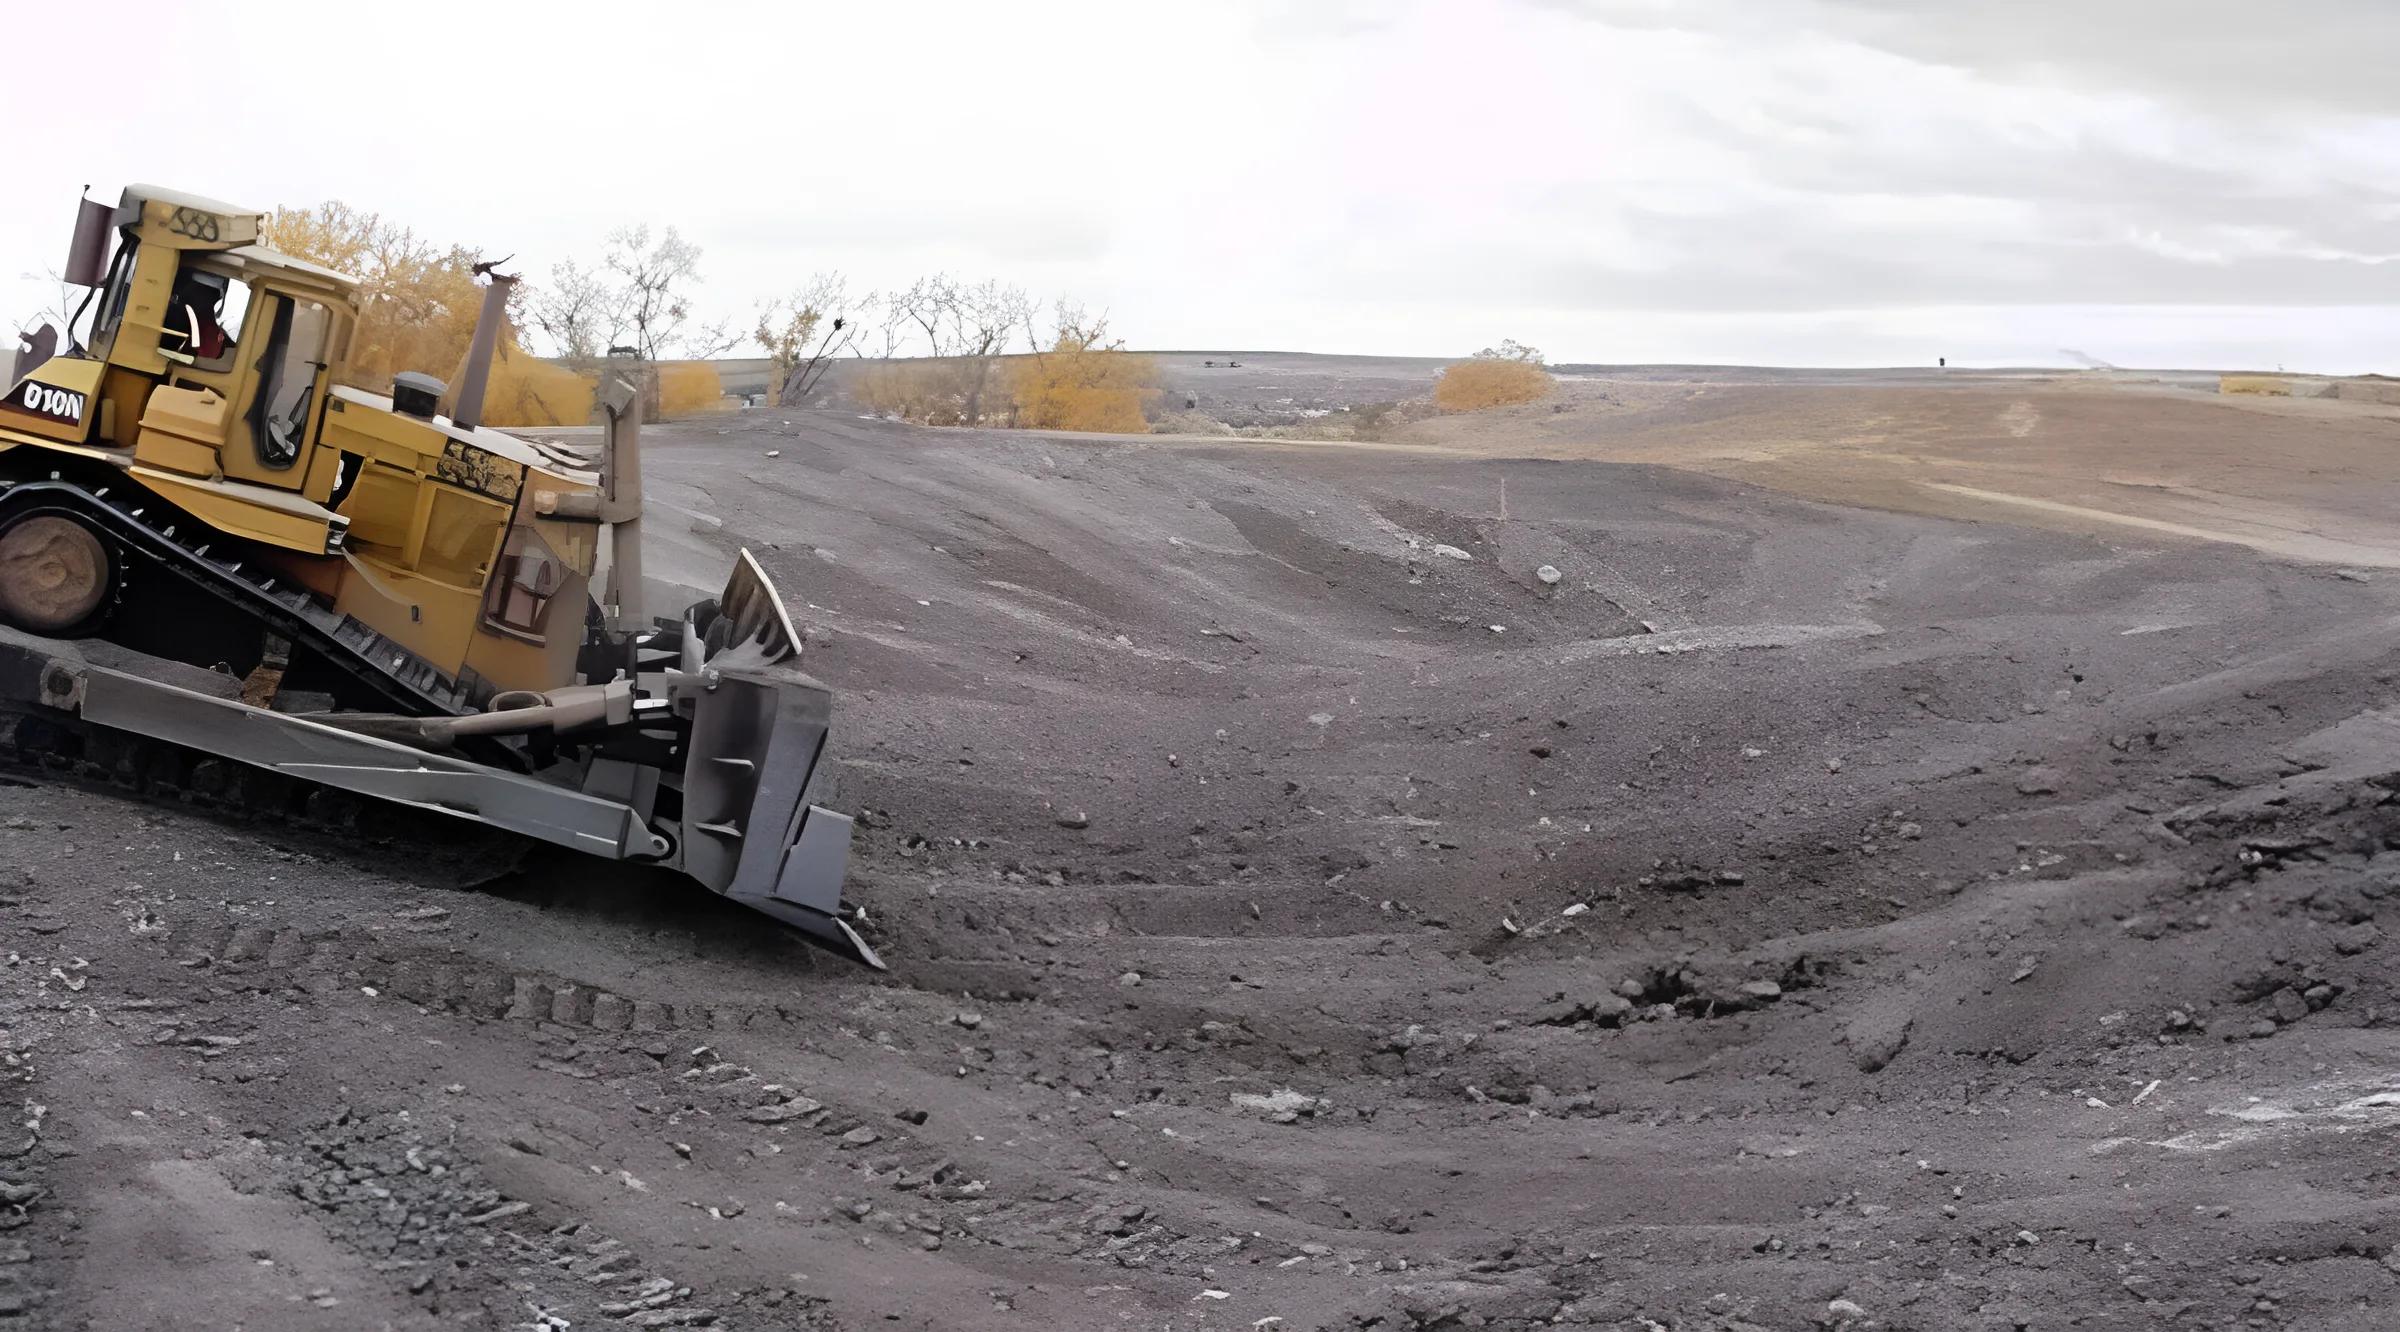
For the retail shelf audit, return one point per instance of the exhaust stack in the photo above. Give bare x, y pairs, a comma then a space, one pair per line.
476, 373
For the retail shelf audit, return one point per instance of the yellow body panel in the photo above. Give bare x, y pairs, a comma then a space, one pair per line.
386, 437
124, 396
513, 663
196, 413
272, 516
59, 400
157, 448
432, 619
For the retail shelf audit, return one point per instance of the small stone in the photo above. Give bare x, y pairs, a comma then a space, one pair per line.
1765, 991
1844, 1309
1284, 1105
2263, 1028
529, 1000
2288, 1004
2356, 939
611, 1012
862, 1136
774, 453
1451, 553
525, 1138
969, 1019
1548, 573
1130, 979
2038, 781
1075, 819
797, 1108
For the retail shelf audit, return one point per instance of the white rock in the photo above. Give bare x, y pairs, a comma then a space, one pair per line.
1845, 1309
1320, 719
1281, 1102
774, 453
1451, 553
1548, 573
1576, 910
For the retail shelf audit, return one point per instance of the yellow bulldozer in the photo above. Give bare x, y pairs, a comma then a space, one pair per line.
214, 556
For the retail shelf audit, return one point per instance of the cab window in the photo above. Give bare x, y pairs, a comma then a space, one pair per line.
204, 318
120, 287
287, 368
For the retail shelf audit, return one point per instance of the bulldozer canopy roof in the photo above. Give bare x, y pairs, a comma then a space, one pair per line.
140, 194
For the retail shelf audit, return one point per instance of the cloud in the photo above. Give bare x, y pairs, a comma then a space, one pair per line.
2226, 56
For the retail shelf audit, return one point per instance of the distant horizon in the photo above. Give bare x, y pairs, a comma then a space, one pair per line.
1570, 367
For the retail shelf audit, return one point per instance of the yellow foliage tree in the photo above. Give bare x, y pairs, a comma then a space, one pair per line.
689, 388
1495, 377
418, 303
1086, 381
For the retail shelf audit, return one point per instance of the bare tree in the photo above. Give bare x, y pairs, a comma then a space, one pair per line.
657, 273
59, 311
804, 332
985, 318
579, 311
972, 324
926, 305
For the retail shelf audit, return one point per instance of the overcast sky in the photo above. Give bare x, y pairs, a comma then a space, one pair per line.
2208, 183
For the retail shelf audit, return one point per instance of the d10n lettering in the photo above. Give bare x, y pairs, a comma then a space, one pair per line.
64, 406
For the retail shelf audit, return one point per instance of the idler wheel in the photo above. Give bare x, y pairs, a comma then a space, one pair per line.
54, 574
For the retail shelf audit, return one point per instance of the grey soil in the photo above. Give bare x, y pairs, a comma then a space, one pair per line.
1794, 916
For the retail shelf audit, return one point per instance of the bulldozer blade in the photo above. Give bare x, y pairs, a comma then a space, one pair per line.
758, 733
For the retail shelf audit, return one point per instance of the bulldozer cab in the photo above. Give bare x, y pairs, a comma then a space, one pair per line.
213, 354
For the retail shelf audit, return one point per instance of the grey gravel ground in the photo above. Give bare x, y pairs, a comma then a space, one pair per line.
1794, 917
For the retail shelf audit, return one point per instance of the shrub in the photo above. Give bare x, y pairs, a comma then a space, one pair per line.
688, 388
928, 391
529, 392
1078, 385
1471, 386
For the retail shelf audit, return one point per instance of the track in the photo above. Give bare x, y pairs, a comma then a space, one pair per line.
155, 538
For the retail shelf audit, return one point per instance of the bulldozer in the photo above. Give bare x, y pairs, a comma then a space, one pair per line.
220, 561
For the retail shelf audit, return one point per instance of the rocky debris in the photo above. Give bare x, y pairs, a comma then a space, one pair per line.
2037, 781
394, 1187
1452, 553
1074, 819
1877, 1036
1548, 574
